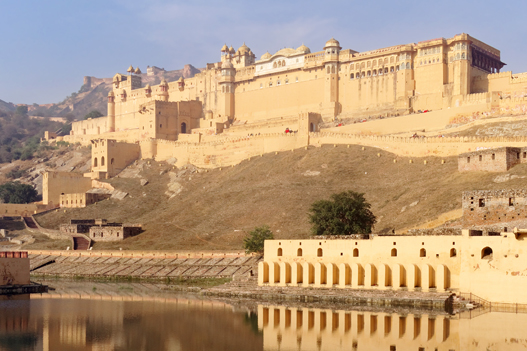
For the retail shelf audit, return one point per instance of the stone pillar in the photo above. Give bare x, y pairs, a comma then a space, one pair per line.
263, 273
285, 273
296, 274
441, 275
344, 275
425, 277
396, 275
307, 273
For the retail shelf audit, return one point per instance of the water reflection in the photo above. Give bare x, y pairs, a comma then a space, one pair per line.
123, 320
95, 317
306, 329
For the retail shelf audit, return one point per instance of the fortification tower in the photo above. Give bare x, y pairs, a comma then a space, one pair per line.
111, 111
405, 78
227, 88
162, 95
331, 86
462, 69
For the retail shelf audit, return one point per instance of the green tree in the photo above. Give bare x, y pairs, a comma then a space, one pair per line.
254, 242
17, 193
345, 214
93, 114
21, 110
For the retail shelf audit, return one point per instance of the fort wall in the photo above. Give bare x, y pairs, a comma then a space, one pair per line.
484, 207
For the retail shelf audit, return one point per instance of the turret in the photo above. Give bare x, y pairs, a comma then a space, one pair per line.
111, 111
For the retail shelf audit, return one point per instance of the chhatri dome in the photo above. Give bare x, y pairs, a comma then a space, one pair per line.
331, 43
227, 64
266, 56
243, 49
303, 49
224, 48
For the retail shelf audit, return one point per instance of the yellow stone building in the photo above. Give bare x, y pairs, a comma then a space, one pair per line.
429, 75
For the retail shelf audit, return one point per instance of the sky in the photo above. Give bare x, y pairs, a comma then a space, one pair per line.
47, 47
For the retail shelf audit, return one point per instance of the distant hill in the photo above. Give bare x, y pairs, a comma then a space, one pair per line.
92, 95
7, 106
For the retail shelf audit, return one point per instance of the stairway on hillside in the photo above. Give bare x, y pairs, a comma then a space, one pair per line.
80, 243
30, 223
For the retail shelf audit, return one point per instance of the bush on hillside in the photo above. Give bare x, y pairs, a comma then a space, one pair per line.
345, 214
17, 193
255, 241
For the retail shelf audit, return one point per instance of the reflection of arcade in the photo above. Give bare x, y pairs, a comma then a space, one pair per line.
15, 327
321, 329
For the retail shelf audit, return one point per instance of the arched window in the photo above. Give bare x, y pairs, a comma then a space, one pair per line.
422, 253
407, 65
222, 89
332, 69
283, 63
355, 252
102, 161
369, 73
463, 55
319, 252
386, 70
457, 56
275, 65
351, 76
299, 252
183, 128
394, 252
486, 253
453, 252
327, 69
391, 69
363, 74
279, 252
95, 162
402, 65
374, 72
112, 160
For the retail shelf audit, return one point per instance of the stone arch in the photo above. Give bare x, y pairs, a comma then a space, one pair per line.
275, 274
422, 252
328, 70
285, 273
112, 161
394, 252
408, 65
95, 162
263, 272
102, 161
332, 69
320, 274
355, 252
299, 252
279, 253
371, 276
453, 252
308, 273
352, 75
183, 128
319, 252
486, 253
297, 273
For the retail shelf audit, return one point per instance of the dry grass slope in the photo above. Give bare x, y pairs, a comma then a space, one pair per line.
217, 208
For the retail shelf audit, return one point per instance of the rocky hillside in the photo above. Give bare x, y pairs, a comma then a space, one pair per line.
93, 94
191, 208
7, 106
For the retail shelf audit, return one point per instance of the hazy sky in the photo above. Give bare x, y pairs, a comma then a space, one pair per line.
48, 46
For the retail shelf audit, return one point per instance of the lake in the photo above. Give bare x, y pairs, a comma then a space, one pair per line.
132, 316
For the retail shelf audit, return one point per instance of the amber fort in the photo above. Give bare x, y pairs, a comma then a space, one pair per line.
244, 106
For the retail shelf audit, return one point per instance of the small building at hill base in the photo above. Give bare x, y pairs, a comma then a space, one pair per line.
492, 160
483, 207
101, 229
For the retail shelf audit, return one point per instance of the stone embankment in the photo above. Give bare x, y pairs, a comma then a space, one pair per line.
249, 289
142, 265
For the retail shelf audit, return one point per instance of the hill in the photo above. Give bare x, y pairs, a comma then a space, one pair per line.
7, 106
215, 209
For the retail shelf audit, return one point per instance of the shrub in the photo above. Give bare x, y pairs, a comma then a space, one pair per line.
345, 214
254, 242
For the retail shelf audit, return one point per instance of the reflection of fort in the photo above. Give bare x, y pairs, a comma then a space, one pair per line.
317, 329
97, 317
